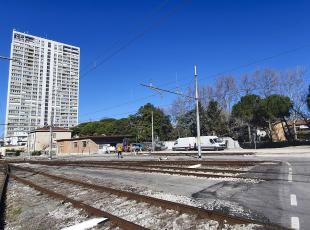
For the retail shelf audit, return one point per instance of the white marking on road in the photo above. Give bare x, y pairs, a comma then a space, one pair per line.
293, 200
295, 222
86, 224
194, 166
290, 175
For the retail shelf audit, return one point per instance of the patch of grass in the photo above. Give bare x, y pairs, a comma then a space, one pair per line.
13, 213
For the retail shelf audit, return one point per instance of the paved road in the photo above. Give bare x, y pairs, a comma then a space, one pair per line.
285, 199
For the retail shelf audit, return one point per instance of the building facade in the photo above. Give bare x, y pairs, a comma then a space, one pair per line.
39, 139
87, 145
299, 128
43, 86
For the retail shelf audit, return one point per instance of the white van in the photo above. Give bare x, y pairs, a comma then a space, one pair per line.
184, 143
106, 148
212, 143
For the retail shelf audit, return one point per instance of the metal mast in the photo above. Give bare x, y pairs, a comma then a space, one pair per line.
196, 98
197, 112
153, 132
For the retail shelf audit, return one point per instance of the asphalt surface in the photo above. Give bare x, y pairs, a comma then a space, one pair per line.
283, 198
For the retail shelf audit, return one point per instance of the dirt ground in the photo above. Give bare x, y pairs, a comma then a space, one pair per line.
28, 209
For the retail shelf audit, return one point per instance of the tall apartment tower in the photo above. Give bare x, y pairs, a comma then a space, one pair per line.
43, 86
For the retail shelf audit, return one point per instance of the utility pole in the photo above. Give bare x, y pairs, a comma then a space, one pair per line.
153, 132
196, 98
28, 146
197, 112
51, 137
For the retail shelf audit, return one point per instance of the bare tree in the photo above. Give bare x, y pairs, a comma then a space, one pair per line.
267, 82
181, 105
248, 84
293, 86
226, 91
206, 93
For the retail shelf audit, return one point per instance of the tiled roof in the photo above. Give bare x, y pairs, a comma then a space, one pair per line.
94, 138
54, 129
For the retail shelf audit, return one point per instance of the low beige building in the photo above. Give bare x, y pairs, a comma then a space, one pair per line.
39, 139
299, 128
87, 145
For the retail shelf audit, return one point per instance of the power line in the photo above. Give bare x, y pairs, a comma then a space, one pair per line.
116, 42
118, 114
256, 62
211, 76
111, 115
166, 90
119, 105
138, 36
223, 72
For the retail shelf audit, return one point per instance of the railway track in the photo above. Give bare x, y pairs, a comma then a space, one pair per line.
92, 211
230, 163
172, 167
207, 170
257, 175
178, 167
48, 183
182, 172
3, 179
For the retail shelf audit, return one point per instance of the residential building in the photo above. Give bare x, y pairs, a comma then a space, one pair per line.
17, 139
39, 139
299, 128
87, 145
43, 86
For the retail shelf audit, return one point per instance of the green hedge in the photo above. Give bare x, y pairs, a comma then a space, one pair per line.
13, 152
36, 153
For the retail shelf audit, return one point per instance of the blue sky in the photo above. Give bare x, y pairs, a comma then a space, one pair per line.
215, 35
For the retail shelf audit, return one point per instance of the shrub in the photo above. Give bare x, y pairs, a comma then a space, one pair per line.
36, 153
13, 152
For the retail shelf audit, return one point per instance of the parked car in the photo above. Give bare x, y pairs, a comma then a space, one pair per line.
159, 146
147, 146
111, 149
106, 148
136, 147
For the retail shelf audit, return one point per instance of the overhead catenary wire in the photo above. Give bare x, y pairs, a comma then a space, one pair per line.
282, 53
119, 105
160, 21
165, 106
213, 75
156, 10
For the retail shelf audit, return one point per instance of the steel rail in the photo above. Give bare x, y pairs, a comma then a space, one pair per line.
182, 173
189, 170
3, 187
131, 162
122, 223
200, 212
172, 167
4, 181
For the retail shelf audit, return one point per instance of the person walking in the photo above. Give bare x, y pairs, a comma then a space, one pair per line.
119, 151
